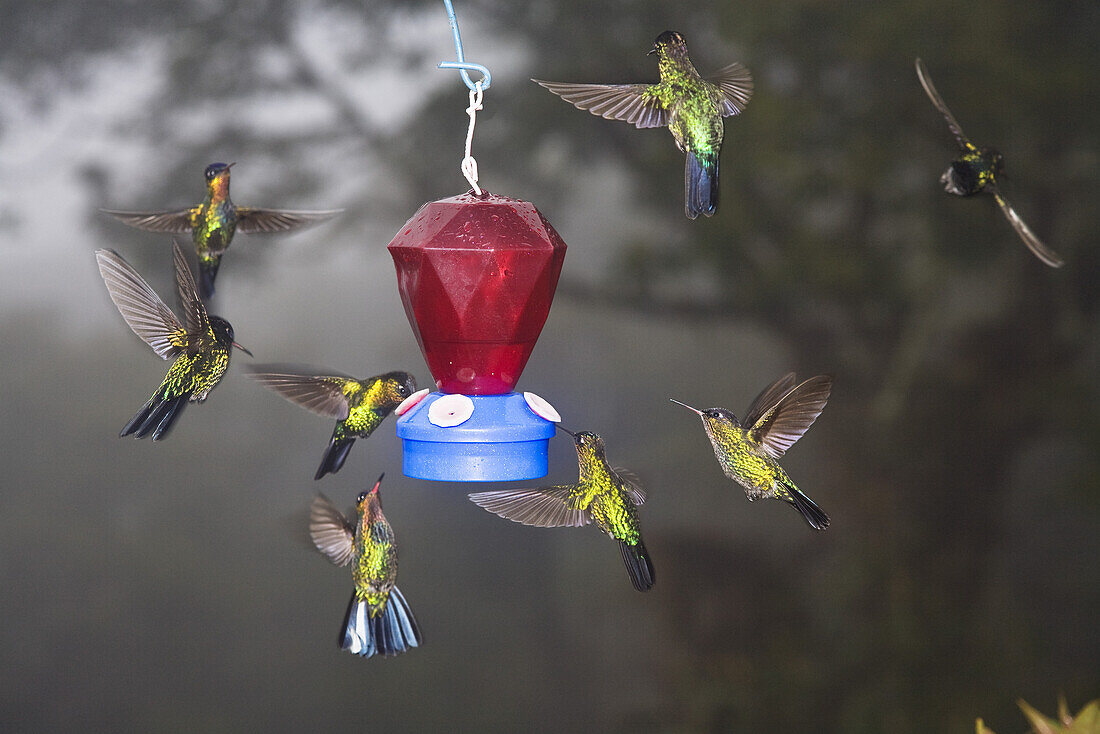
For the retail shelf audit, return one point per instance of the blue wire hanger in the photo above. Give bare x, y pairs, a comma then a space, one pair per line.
462, 65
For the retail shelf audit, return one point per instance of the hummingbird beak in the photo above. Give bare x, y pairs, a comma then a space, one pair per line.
693, 410
560, 426
377, 484
231, 165
238, 346
652, 50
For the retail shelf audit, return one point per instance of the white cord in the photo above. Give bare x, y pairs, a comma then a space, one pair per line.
469, 165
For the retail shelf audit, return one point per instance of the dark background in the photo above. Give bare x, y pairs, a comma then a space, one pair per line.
170, 586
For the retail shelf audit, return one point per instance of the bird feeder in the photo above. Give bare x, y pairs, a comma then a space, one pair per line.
477, 274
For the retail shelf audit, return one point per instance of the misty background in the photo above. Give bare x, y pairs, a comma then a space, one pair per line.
172, 586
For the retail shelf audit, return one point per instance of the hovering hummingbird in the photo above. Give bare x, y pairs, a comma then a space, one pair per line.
776, 419
977, 170
602, 495
200, 345
378, 619
691, 106
213, 222
359, 406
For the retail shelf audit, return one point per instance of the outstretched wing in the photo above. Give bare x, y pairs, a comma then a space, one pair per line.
631, 103
176, 222
321, 393
251, 220
768, 397
331, 532
780, 426
145, 313
735, 83
194, 312
544, 507
632, 484
1033, 243
930, 90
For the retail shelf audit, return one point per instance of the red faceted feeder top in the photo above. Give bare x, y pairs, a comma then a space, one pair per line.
477, 275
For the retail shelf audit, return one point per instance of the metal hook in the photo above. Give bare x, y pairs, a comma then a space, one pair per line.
462, 65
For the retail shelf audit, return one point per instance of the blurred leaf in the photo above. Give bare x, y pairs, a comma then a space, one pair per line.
1039, 723
1087, 721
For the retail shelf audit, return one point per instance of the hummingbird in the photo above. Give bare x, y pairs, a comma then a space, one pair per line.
609, 497
200, 345
690, 105
776, 419
378, 620
977, 170
214, 221
359, 406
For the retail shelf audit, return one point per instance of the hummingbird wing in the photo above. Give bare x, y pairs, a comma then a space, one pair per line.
145, 313
544, 507
735, 83
194, 311
633, 103
632, 485
779, 427
331, 532
937, 100
176, 222
768, 397
323, 394
1033, 243
251, 220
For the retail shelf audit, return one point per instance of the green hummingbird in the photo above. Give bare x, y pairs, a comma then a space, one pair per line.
200, 345
359, 406
378, 620
213, 222
977, 170
690, 105
776, 419
609, 497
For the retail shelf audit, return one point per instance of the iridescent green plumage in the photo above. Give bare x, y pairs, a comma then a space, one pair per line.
603, 495
213, 222
775, 420
378, 619
978, 170
200, 346
691, 106
359, 406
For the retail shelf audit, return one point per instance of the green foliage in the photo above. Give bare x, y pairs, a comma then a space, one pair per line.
1087, 720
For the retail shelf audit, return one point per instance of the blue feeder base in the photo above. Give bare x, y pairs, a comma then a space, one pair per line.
502, 441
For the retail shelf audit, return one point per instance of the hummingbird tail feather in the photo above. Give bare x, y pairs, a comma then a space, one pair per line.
959, 180
139, 418
356, 634
156, 417
813, 514
700, 186
391, 632
638, 565
208, 270
396, 629
335, 455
